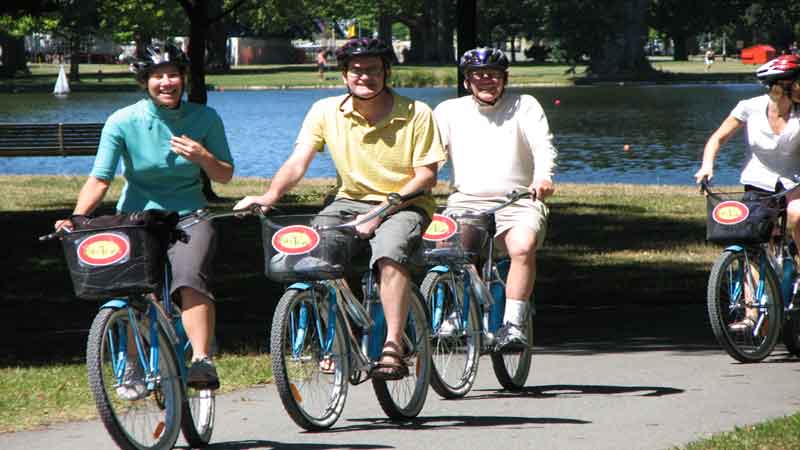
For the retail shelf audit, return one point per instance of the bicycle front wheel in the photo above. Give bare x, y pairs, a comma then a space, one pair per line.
309, 359
199, 408
141, 409
791, 333
455, 334
404, 398
741, 286
512, 367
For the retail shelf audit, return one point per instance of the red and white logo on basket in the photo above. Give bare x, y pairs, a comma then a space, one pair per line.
730, 212
441, 228
295, 240
104, 249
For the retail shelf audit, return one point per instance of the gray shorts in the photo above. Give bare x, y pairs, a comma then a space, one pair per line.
398, 237
191, 262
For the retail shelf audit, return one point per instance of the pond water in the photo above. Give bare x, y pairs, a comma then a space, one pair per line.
665, 128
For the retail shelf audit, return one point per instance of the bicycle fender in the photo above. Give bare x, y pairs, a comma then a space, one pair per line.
439, 269
115, 303
301, 286
734, 248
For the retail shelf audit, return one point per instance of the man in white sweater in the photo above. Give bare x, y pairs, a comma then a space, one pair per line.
499, 142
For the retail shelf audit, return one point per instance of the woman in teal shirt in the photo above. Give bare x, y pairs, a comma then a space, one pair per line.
165, 144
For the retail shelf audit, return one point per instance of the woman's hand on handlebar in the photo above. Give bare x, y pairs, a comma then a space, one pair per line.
704, 172
542, 189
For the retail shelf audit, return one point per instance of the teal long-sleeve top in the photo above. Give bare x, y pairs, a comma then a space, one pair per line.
156, 177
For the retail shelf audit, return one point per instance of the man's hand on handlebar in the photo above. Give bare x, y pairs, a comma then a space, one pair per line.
248, 203
66, 224
542, 188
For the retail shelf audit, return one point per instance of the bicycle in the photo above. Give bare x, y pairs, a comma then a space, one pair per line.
466, 307
756, 272
136, 332
324, 338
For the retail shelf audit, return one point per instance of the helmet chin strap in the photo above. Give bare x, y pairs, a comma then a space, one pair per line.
367, 98
483, 102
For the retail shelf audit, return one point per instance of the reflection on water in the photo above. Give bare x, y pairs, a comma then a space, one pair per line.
665, 128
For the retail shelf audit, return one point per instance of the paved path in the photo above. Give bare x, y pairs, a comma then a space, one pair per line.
612, 389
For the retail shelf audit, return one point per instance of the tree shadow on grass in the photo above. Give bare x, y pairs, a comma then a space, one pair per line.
585, 304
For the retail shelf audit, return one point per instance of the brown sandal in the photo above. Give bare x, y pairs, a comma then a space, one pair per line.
390, 371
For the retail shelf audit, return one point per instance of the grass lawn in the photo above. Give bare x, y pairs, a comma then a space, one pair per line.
117, 76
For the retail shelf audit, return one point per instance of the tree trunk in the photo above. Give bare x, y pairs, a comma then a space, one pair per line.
74, 58
444, 33
13, 49
622, 54
467, 33
385, 28
217, 40
416, 53
198, 18
681, 51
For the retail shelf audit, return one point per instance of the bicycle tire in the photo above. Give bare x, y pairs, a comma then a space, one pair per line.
199, 410
404, 398
727, 287
791, 333
456, 352
511, 368
312, 398
150, 423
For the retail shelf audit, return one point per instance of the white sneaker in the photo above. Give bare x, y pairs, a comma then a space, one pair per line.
511, 337
450, 326
132, 387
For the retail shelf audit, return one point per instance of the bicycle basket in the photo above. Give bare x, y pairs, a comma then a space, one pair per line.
296, 250
740, 217
456, 234
118, 255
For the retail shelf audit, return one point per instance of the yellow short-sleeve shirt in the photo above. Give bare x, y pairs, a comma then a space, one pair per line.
374, 160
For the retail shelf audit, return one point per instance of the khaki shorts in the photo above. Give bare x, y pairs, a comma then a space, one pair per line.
398, 237
525, 213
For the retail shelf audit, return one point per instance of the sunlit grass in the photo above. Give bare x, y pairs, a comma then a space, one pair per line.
32, 397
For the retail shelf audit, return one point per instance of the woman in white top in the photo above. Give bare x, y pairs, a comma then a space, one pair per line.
772, 133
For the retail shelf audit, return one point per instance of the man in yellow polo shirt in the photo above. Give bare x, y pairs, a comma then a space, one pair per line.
380, 143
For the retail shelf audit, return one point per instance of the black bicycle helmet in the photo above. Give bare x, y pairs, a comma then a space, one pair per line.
156, 56
483, 57
363, 47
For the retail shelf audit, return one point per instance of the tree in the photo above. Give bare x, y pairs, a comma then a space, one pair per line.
18, 18
610, 35
681, 20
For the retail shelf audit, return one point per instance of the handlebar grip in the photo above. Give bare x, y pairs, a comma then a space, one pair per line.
704, 184
396, 199
51, 236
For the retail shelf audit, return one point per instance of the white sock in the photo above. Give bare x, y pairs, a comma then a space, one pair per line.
516, 311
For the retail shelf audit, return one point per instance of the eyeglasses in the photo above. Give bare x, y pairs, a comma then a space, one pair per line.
358, 72
491, 74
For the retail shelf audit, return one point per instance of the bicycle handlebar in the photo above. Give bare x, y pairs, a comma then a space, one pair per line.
705, 187
392, 200
199, 216
511, 197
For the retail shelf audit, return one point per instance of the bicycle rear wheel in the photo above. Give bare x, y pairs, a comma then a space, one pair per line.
307, 341
455, 334
511, 367
199, 409
404, 398
742, 281
151, 422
